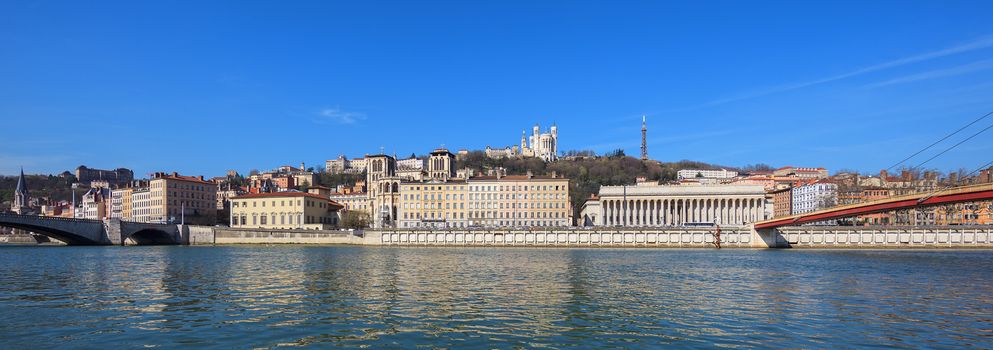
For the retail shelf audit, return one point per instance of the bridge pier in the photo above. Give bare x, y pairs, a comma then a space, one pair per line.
113, 229
767, 238
96, 232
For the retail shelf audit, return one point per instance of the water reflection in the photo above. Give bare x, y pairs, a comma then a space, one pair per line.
261, 296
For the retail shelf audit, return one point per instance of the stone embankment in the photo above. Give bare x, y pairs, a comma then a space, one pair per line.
844, 237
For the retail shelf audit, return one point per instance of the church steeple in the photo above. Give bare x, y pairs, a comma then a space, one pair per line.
20, 204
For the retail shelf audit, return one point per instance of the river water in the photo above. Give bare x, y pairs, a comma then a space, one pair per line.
378, 297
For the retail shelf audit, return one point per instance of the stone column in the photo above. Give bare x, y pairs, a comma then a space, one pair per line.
719, 215
640, 218
641, 212
657, 212
606, 213
667, 204
652, 208
734, 210
670, 212
708, 215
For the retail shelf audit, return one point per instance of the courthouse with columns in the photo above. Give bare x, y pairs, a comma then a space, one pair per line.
650, 204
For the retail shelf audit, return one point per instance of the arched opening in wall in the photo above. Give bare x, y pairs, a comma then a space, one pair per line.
55, 236
150, 237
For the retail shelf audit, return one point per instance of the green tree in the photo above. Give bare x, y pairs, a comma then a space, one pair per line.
354, 219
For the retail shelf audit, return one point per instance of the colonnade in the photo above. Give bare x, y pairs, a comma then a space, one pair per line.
678, 211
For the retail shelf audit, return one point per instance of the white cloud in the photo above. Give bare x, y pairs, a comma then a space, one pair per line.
940, 73
337, 115
978, 44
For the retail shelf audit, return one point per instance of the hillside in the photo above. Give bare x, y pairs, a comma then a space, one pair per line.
587, 174
51, 186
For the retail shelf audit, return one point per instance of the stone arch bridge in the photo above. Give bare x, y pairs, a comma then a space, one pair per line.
96, 232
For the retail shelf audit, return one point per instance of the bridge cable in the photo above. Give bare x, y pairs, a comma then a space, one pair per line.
962, 179
939, 141
953, 146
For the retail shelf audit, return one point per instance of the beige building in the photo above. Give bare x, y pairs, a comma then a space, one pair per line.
358, 201
439, 204
121, 203
383, 189
504, 201
441, 165
182, 199
519, 200
284, 210
801, 173
443, 199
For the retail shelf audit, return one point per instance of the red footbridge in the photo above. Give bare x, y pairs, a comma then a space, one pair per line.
950, 196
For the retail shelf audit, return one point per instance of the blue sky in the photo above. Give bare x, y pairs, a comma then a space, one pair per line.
200, 87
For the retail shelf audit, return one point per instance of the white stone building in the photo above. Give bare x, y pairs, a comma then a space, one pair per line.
345, 165
538, 145
706, 174
117, 202
541, 145
141, 205
814, 196
96, 203
648, 204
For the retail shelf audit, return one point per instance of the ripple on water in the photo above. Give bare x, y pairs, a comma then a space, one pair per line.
259, 296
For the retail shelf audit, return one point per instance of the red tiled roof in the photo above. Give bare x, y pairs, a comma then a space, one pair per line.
289, 194
800, 168
184, 178
517, 178
280, 194
357, 194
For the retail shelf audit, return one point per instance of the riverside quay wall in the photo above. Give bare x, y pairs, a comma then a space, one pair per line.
883, 237
845, 237
626, 237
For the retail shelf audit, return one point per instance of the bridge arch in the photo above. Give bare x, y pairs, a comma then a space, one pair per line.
68, 237
151, 236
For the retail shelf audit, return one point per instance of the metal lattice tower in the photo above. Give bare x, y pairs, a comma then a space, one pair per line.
644, 139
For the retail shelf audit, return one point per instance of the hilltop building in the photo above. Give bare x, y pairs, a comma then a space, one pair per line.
801, 173
116, 177
343, 165
538, 145
706, 174
281, 179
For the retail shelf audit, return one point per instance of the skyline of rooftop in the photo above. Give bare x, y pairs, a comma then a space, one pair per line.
202, 88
